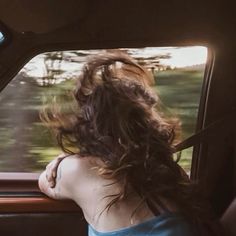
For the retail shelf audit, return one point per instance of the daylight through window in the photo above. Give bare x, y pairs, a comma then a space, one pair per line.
2, 38
27, 146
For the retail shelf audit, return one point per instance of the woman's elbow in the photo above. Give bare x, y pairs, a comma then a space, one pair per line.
43, 183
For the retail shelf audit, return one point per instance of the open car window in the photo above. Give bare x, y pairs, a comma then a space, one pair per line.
27, 146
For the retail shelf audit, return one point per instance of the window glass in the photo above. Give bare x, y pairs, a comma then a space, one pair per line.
2, 38
27, 146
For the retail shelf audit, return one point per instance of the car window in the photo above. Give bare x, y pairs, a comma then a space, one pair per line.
2, 38
27, 146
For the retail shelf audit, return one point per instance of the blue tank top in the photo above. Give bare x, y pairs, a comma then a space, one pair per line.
167, 224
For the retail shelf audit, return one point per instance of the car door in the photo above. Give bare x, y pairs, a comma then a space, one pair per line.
28, 29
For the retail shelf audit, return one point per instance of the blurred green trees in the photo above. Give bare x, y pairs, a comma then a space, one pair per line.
26, 145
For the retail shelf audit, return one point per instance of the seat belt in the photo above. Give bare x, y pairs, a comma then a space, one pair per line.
203, 134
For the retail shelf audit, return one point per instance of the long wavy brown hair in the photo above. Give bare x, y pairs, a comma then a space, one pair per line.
115, 117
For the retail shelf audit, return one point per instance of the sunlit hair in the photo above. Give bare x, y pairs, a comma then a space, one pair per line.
115, 117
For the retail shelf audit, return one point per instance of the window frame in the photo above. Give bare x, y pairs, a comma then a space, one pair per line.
19, 191
201, 118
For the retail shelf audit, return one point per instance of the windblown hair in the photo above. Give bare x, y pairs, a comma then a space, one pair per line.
115, 118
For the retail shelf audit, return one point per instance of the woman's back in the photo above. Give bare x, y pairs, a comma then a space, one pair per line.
78, 179
92, 193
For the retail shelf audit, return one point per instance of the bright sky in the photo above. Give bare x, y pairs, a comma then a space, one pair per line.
188, 56
180, 57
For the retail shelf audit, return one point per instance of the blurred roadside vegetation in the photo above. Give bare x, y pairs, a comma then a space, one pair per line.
27, 146
179, 91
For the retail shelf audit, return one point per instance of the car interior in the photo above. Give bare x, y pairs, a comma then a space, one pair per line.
29, 28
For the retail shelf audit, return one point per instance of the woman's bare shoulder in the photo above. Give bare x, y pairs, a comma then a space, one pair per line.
73, 173
80, 166
81, 161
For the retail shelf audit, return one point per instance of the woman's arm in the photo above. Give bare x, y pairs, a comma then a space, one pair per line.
60, 189
51, 169
65, 180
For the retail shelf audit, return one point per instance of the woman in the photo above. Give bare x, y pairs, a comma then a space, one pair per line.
121, 171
